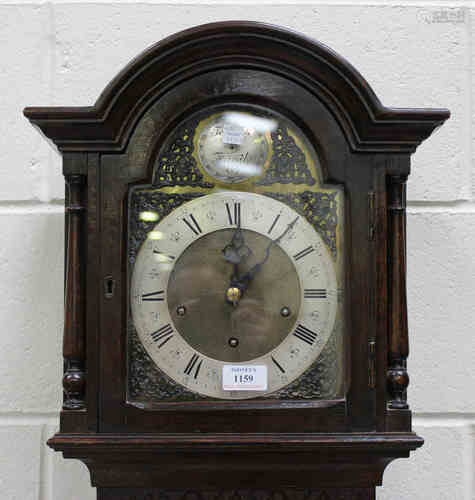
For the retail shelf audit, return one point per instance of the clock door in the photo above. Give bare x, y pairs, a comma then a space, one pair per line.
236, 276
234, 268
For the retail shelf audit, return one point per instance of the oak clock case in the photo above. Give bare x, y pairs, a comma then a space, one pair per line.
235, 282
234, 292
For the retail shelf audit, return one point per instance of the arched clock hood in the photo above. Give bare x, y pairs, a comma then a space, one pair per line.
367, 124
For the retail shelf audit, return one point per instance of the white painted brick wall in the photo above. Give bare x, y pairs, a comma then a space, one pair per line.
64, 53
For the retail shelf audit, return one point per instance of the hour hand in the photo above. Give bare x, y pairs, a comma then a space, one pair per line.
237, 250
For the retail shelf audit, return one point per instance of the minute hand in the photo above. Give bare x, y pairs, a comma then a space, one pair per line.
289, 227
244, 280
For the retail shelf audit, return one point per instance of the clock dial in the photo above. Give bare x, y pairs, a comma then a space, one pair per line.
235, 146
233, 279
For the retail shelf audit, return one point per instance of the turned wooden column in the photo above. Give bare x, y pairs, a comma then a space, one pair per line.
74, 380
398, 378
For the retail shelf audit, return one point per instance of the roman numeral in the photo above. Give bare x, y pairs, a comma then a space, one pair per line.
193, 225
163, 256
303, 333
277, 364
277, 217
191, 364
315, 293
304, 252
234, 216
162, 335
153, 296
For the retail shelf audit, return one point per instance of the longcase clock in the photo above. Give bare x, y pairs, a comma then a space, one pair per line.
235, 320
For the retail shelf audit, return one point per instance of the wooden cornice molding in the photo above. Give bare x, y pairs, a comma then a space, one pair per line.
367, 124
213, 460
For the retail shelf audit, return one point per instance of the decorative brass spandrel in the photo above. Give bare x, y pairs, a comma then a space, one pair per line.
150, 200
291, 160
176, 165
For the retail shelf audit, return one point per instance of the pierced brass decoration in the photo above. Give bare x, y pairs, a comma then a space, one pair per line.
176, 166
288, 165
156, 205
320, 209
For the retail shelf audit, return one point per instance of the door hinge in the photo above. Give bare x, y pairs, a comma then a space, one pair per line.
371, 215
372, 364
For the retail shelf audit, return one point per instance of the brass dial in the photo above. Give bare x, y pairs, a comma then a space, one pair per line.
279, 321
